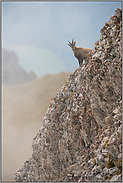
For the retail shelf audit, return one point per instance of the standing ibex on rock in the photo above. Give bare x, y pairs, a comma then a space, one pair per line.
80, 53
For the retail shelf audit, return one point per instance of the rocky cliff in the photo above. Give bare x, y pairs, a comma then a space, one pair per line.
12, 72
81, 137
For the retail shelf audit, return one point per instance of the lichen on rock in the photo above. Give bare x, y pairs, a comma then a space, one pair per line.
80, 140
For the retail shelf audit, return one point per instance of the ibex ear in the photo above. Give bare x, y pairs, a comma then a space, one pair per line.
73, 42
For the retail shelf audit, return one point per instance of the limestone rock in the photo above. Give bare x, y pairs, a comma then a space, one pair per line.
81, 137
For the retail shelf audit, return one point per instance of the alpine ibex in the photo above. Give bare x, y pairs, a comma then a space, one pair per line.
79, 52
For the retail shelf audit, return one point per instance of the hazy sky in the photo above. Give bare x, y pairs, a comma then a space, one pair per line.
38, 31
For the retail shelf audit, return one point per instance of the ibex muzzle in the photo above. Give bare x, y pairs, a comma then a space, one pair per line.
79, 52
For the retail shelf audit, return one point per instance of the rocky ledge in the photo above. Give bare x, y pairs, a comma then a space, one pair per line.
81, 137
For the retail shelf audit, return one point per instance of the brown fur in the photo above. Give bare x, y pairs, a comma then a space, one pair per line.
79, 52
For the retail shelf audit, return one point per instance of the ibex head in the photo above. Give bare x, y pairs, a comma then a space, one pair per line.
72, 45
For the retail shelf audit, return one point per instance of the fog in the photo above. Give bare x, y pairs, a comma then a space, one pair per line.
38, 31
23, 107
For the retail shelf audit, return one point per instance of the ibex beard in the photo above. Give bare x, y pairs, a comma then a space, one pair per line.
79, 52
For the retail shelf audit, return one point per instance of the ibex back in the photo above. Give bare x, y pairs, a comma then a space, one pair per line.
79, 52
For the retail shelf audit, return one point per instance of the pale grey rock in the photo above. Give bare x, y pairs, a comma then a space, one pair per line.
116, 178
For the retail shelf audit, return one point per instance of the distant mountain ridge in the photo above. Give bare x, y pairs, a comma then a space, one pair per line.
12, 72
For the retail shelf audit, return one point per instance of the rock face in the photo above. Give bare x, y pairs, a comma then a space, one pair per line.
12, 72
81, 137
